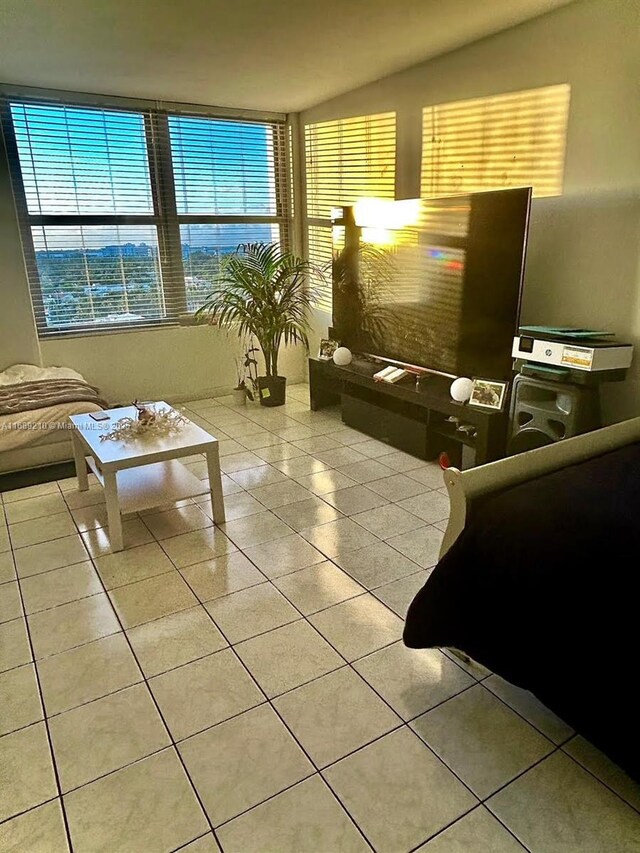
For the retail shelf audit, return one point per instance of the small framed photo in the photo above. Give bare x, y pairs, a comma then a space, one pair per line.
327, 349
488, 394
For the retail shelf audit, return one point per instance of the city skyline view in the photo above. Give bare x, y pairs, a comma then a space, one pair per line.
79, 162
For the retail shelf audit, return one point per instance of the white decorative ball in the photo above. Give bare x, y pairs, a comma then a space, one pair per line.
342, 356
461, 389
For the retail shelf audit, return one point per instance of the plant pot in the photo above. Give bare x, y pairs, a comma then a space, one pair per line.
272, 390
239, 396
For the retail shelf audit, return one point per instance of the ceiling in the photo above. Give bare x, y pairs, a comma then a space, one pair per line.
282, 55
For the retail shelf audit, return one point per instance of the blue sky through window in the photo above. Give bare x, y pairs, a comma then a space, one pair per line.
84, 161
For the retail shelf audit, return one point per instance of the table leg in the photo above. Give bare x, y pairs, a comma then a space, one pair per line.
113, 511
81, 464
215, 484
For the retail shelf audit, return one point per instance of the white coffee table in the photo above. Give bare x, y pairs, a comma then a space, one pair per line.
144, 472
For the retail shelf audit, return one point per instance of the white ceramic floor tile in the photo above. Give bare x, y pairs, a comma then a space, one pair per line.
405, 463
45, 556
323, 482
38, 530
304, 819
526, 704
412, 680
387, 521
27, 771
152, 598
134, 533
398, 792
236, 506
19, 699
204, 844
429, 475
174, 640
335, 715
240, 462
198, 546
354, 499
336, 537
176, 521
397, 487
318, 587
60, 586
376, 564
284, 555
399, 594
478, 830
14, 644
301, 466
222, 576
207, 691
253, 478
251, 611
481, 740
86, 673
255, 530
307, 513
41, 829
132, 564
7, 567
150, 801
339, 456
317, 444
358, 626
102, 736
30, 492
366, 471
10, 602
288, 657
430, 506
241, 762
605, 770
421, 545
278, 453
38, 507
74, 624
557, 806
280, 494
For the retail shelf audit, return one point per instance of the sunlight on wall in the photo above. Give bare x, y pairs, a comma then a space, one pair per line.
502, 141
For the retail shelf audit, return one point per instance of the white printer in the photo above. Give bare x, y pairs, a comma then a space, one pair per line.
573, 349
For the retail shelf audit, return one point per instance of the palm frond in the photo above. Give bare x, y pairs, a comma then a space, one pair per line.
266, 292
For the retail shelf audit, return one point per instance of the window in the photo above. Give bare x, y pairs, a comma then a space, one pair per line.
125, 214
346, 160
502, 141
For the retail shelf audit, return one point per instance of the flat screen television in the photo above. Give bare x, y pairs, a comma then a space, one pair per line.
434, 283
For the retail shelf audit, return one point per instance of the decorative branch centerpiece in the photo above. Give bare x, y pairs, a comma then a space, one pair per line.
264, 292
149, 421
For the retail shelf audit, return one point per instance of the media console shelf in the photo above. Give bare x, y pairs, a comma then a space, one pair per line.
409, 419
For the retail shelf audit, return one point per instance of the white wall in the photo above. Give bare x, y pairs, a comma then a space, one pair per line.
171, 364
583, 265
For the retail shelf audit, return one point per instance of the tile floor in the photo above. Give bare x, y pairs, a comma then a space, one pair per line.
246, 688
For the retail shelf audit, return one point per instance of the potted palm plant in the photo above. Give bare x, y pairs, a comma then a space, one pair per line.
265, 292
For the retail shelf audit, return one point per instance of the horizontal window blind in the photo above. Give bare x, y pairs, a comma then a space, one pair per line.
125, 215
346, 160
511, 140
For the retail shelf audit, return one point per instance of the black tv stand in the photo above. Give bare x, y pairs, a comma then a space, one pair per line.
409, 418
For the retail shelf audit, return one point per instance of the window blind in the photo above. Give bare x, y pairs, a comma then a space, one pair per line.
511, 140
126, 214
346, 160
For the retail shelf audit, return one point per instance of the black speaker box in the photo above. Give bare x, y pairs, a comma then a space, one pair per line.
545, 411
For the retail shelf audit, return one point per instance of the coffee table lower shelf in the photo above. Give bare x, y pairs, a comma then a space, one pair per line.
149, 486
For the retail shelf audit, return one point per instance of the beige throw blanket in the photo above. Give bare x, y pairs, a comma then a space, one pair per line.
27, 396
